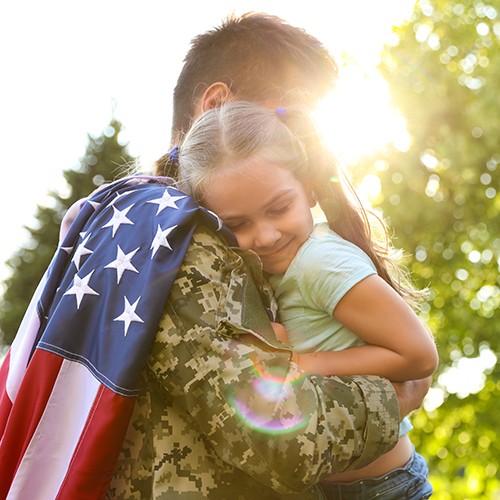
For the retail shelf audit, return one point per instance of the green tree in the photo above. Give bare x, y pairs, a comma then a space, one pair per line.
105, 159
441, 198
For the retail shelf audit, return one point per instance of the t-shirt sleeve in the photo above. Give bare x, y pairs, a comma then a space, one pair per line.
329, 268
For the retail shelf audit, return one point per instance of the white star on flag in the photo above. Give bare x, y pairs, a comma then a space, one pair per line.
119, 217
167, 200
122, 263
81, 288
160, 239
129, 315
81, 250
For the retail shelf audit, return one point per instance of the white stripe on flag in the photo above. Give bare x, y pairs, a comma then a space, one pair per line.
47, 458
23, 343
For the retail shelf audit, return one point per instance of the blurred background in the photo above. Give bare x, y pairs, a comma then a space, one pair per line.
86, 91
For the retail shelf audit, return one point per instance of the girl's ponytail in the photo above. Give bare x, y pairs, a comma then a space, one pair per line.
343, 209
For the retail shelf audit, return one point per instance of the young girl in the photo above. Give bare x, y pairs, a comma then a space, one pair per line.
345, 304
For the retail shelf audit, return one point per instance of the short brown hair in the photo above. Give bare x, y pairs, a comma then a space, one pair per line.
252, 55
259, 57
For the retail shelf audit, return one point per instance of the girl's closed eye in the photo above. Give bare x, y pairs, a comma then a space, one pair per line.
236, 225
281, 209
282, 204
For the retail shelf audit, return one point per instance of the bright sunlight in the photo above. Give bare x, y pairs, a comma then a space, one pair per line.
358, 117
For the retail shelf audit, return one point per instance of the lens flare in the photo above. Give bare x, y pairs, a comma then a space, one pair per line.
266, 396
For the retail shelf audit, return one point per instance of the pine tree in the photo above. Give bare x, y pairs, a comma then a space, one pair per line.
106, 159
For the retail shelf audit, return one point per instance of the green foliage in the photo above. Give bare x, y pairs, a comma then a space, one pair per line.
105, 159
441, 198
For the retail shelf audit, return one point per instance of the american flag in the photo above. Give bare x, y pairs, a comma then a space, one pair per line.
69, 381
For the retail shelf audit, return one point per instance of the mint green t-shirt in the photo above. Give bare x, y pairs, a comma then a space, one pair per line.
325, 268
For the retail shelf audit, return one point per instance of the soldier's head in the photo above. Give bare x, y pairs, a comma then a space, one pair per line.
254, 57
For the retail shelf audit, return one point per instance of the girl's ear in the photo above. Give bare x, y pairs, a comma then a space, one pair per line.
311, 197
215, 96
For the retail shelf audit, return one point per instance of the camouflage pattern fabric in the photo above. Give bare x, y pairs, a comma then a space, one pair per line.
225, 414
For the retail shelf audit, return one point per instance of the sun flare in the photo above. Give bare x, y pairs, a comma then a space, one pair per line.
358, 118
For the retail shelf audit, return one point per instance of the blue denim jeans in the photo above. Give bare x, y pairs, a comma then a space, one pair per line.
405, 483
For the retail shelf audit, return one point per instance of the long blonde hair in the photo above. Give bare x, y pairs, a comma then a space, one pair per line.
223, 137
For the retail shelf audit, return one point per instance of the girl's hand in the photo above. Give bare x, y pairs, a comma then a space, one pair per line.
280, 332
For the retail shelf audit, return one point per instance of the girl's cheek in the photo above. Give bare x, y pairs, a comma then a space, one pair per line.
242, 241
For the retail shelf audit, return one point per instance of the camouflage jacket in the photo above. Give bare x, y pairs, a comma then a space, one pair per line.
225, 414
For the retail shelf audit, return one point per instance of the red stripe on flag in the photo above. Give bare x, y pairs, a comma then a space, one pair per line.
94, 460
5, 401
25, 414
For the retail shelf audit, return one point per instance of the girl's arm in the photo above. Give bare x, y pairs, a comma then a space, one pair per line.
399, 346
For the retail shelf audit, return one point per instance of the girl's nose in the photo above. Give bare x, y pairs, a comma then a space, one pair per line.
266, 235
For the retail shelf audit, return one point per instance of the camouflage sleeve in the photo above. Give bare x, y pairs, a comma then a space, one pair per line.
255, 408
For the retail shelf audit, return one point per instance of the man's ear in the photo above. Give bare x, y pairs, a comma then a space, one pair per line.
215, 96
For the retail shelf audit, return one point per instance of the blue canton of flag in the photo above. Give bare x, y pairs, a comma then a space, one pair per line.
108, 284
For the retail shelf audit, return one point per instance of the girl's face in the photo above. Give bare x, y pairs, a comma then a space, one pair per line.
267, 209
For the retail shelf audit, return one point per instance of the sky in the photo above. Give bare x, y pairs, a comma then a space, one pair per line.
67, 64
